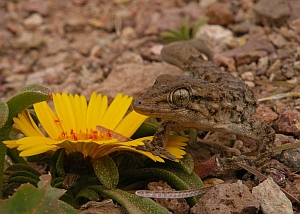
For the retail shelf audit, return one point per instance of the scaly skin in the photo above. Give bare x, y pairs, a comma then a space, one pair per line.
208, 99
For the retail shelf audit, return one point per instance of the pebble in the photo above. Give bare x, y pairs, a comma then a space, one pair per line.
227, 199
39, 6
33, 21
219, 14
247, 76
214, 35
272, 199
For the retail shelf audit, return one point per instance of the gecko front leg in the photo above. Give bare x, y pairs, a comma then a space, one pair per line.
158, 144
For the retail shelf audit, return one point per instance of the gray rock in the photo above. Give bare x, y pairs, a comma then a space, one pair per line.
227, 199
271, 198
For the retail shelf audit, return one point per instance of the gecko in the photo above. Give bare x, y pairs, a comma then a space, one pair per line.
206, 98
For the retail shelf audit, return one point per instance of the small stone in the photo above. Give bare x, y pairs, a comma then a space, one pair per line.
15, 78
276, 13
39, 6
263, 63
265, 114
227, 199
79, 2
215, 35
73, 25
33, 21
288, 122
271, 198
128, 33
247, 76
56, 44
278, 40
96, 51
219, 14
250, 84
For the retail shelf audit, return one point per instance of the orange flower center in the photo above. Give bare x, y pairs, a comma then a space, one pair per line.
88, 134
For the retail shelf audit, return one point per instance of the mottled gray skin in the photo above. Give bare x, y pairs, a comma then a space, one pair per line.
218, 101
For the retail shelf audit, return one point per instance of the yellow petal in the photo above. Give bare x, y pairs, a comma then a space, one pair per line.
64, 111
37, 150
130, 124
96, 109
116, 111
25, 126
50, 122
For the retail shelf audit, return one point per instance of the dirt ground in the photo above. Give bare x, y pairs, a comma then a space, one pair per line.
111, 47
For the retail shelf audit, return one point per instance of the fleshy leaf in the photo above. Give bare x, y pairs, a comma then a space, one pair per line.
106, 171
179, 179
147, 128
29, 199
3, 113
20, 167
86, 194
25, 98
132, 203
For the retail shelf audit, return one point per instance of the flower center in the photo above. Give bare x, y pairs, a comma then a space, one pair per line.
88, 134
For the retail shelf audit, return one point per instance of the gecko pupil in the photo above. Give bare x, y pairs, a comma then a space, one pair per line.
180, 97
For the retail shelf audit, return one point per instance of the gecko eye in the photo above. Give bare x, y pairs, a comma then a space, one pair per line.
180, 97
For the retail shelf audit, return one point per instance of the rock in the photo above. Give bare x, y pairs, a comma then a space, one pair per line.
227, 199
79, 2
56, 44
247, 76
265, 114
50, 61
73, 25
33, 21
51, 75
39, 6
143, 76
291, 158
28, 41
102, 207
275, 13
175, 205
215, 36
288, 122
271, 198
278, 40
219, 14
251, 51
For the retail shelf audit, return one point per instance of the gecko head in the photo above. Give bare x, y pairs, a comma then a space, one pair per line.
168, 96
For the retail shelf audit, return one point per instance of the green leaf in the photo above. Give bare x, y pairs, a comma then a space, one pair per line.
23, 174
21, 167
3, 113
186, 164
86, 195
132, 203
197, 25
29, 199
148, 128
66, 208
59, 161
25, 98
57, 182
185, 28
177, 178
106, 171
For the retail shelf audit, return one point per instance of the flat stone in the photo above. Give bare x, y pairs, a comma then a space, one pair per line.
227, 199
271, 198
39, 6
219, 14
123, 76
33, 21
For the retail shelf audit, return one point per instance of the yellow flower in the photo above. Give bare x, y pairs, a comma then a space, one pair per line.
95, 129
